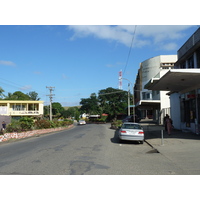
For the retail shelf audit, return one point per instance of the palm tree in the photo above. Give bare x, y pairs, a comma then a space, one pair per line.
1, 93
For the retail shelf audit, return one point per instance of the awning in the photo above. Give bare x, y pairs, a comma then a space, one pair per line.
148, 103
175, 80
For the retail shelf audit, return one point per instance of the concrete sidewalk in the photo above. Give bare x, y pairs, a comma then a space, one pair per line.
181, 148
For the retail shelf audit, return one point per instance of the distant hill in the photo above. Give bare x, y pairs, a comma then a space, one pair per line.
67, 107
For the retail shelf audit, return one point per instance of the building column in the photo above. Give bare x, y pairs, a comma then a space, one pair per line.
8, 108
195, 60
186, 64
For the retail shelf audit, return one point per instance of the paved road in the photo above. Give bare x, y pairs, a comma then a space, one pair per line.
90, 150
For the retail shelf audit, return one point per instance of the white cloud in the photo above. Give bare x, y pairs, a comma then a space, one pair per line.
103, 32
37, 72
158, 35
64, 76
118, 64
26, 87
170, 46
7, 63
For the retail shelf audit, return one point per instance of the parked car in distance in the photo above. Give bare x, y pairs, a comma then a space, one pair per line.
82, 122
131, 119
131, 131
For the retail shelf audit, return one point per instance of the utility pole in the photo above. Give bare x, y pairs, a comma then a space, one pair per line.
51, 98
133, 99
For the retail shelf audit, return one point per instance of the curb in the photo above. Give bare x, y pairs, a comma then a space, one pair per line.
7, 136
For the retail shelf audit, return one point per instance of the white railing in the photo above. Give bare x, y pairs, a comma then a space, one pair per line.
23, 112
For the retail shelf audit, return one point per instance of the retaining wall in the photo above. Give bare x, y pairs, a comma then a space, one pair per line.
7, 136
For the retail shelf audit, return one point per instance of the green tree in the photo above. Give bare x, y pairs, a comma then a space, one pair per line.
113, 101
90, 105
33, 96
70, 112
18, 95
57, 108
46, 111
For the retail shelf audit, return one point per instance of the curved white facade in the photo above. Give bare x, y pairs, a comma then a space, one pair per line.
157, 101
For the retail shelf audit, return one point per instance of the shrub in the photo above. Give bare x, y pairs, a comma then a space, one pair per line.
67, 122
15, 126
115, 124
43, 124
26, 123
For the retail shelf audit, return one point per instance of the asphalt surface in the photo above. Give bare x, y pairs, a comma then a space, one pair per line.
96, 150
83, 150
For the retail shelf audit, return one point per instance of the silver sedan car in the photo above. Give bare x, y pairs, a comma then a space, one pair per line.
131, 131
82, 122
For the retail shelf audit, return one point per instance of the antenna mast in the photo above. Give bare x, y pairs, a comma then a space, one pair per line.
120, 80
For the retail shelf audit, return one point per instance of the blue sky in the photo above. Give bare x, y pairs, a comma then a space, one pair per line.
80, 59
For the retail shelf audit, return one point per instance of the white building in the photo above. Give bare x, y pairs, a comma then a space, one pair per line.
184, 86
153, 104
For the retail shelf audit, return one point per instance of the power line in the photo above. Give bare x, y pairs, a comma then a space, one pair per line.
130, 49
11, 84
112, 92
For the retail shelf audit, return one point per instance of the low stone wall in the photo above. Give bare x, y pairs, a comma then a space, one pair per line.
7, 136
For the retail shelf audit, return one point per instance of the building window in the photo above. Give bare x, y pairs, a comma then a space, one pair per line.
198, 105
182, 65
146, 96
191, 62
188, 108
33, 107
198, 57
143, 95
18, 107
182, 98
166, 65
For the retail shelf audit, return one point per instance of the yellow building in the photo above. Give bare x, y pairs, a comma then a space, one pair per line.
21, 108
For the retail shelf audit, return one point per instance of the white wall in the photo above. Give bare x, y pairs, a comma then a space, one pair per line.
165, 100
168, 58
150, 68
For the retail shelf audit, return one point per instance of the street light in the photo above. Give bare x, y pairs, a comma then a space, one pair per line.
129, 99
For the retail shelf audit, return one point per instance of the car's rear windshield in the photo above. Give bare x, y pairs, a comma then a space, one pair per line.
131, 126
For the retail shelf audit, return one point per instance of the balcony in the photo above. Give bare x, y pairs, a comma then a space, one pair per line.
21, 108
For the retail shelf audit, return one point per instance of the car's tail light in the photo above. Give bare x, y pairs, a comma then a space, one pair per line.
141, 132
123, 131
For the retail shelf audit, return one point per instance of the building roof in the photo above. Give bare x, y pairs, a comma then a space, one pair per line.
20, 101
